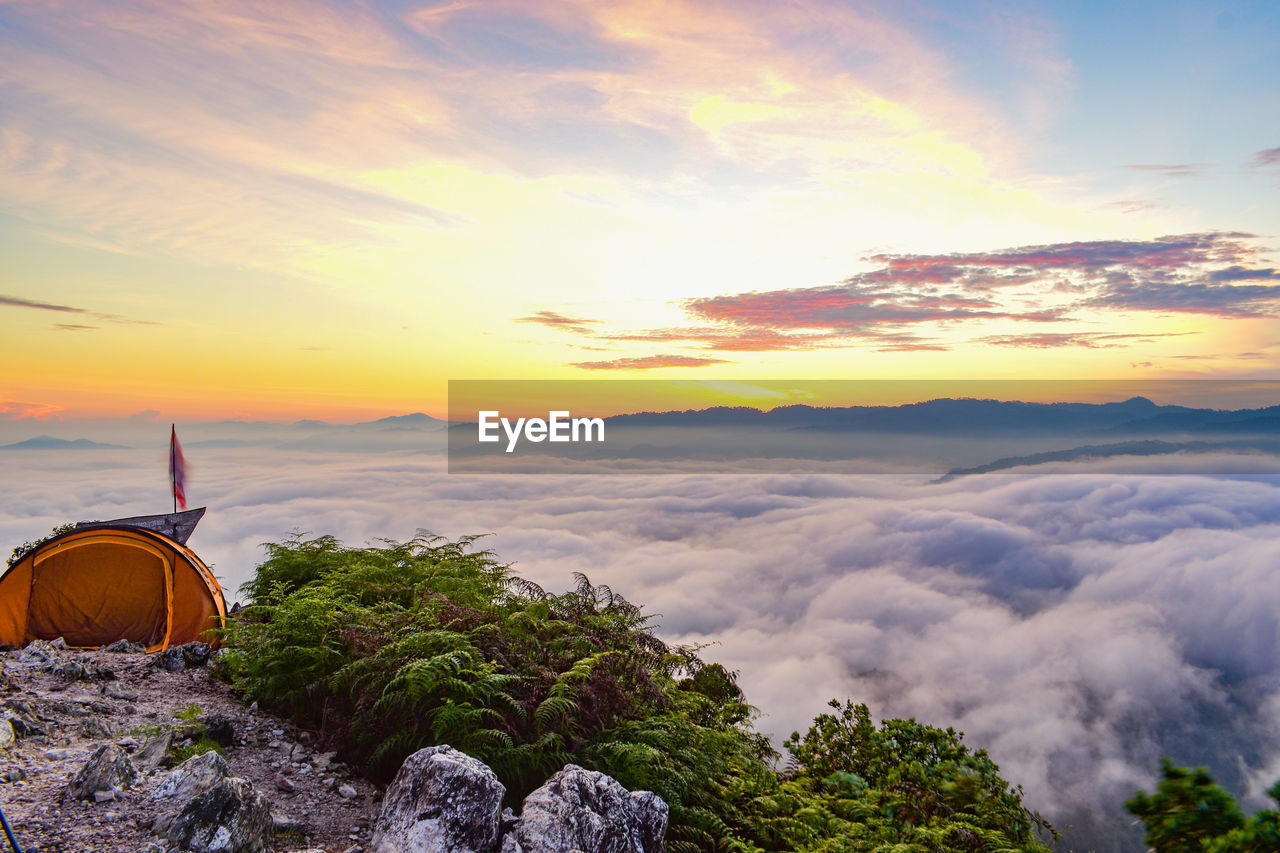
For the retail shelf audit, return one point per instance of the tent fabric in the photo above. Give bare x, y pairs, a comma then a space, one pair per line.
93, 587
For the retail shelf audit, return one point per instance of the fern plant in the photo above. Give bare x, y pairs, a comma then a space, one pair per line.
386, 648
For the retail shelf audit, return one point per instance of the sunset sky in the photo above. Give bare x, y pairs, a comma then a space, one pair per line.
292, 209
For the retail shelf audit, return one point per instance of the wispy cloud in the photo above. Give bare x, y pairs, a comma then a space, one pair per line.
857, 305
19, 302
1089, 340
648, 362
1265, 159
557, 320
17, 410
1173, 170
74, 327
733, 340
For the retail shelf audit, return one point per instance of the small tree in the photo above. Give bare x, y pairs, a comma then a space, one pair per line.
1190, 813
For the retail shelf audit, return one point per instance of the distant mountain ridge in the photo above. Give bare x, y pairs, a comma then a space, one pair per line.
48, 442
1137, 415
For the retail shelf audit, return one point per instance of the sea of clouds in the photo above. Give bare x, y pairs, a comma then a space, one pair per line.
1078, 626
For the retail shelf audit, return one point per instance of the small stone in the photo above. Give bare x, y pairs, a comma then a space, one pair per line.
119, 690
28, 716
170, 660
104, 796
196, 654
59, 643
123, 646
7, 737
38, 654
284, 823
95, 728
285, 784
151, 754
127, 742
219, 728
108, 768
347, 792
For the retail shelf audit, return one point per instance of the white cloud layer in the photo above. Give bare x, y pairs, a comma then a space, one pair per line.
1077, 626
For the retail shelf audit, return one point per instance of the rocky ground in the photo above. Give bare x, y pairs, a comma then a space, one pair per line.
59, 706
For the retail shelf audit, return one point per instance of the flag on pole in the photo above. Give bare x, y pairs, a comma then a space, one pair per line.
177, 470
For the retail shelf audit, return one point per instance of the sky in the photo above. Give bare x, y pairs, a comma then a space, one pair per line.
309, 210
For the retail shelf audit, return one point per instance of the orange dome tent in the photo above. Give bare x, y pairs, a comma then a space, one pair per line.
102, 581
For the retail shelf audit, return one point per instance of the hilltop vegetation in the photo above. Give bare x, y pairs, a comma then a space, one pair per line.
388, 648
1190, 813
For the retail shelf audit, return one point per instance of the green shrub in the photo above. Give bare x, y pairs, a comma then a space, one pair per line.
178, 754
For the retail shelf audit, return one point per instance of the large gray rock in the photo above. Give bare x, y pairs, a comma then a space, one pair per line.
194, 776
108, 769
441, 801
582, 810
230, 817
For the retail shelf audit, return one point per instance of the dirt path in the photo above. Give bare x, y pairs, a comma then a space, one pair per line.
59, 723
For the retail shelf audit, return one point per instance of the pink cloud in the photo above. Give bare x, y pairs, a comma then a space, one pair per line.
648, 362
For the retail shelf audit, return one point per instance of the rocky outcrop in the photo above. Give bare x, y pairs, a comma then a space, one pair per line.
107, 770
230, 817
582, 810
440, 800
443, 801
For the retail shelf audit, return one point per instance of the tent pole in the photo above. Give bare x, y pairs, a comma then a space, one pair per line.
13, 842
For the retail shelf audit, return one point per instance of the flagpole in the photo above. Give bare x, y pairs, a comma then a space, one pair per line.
173, 470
